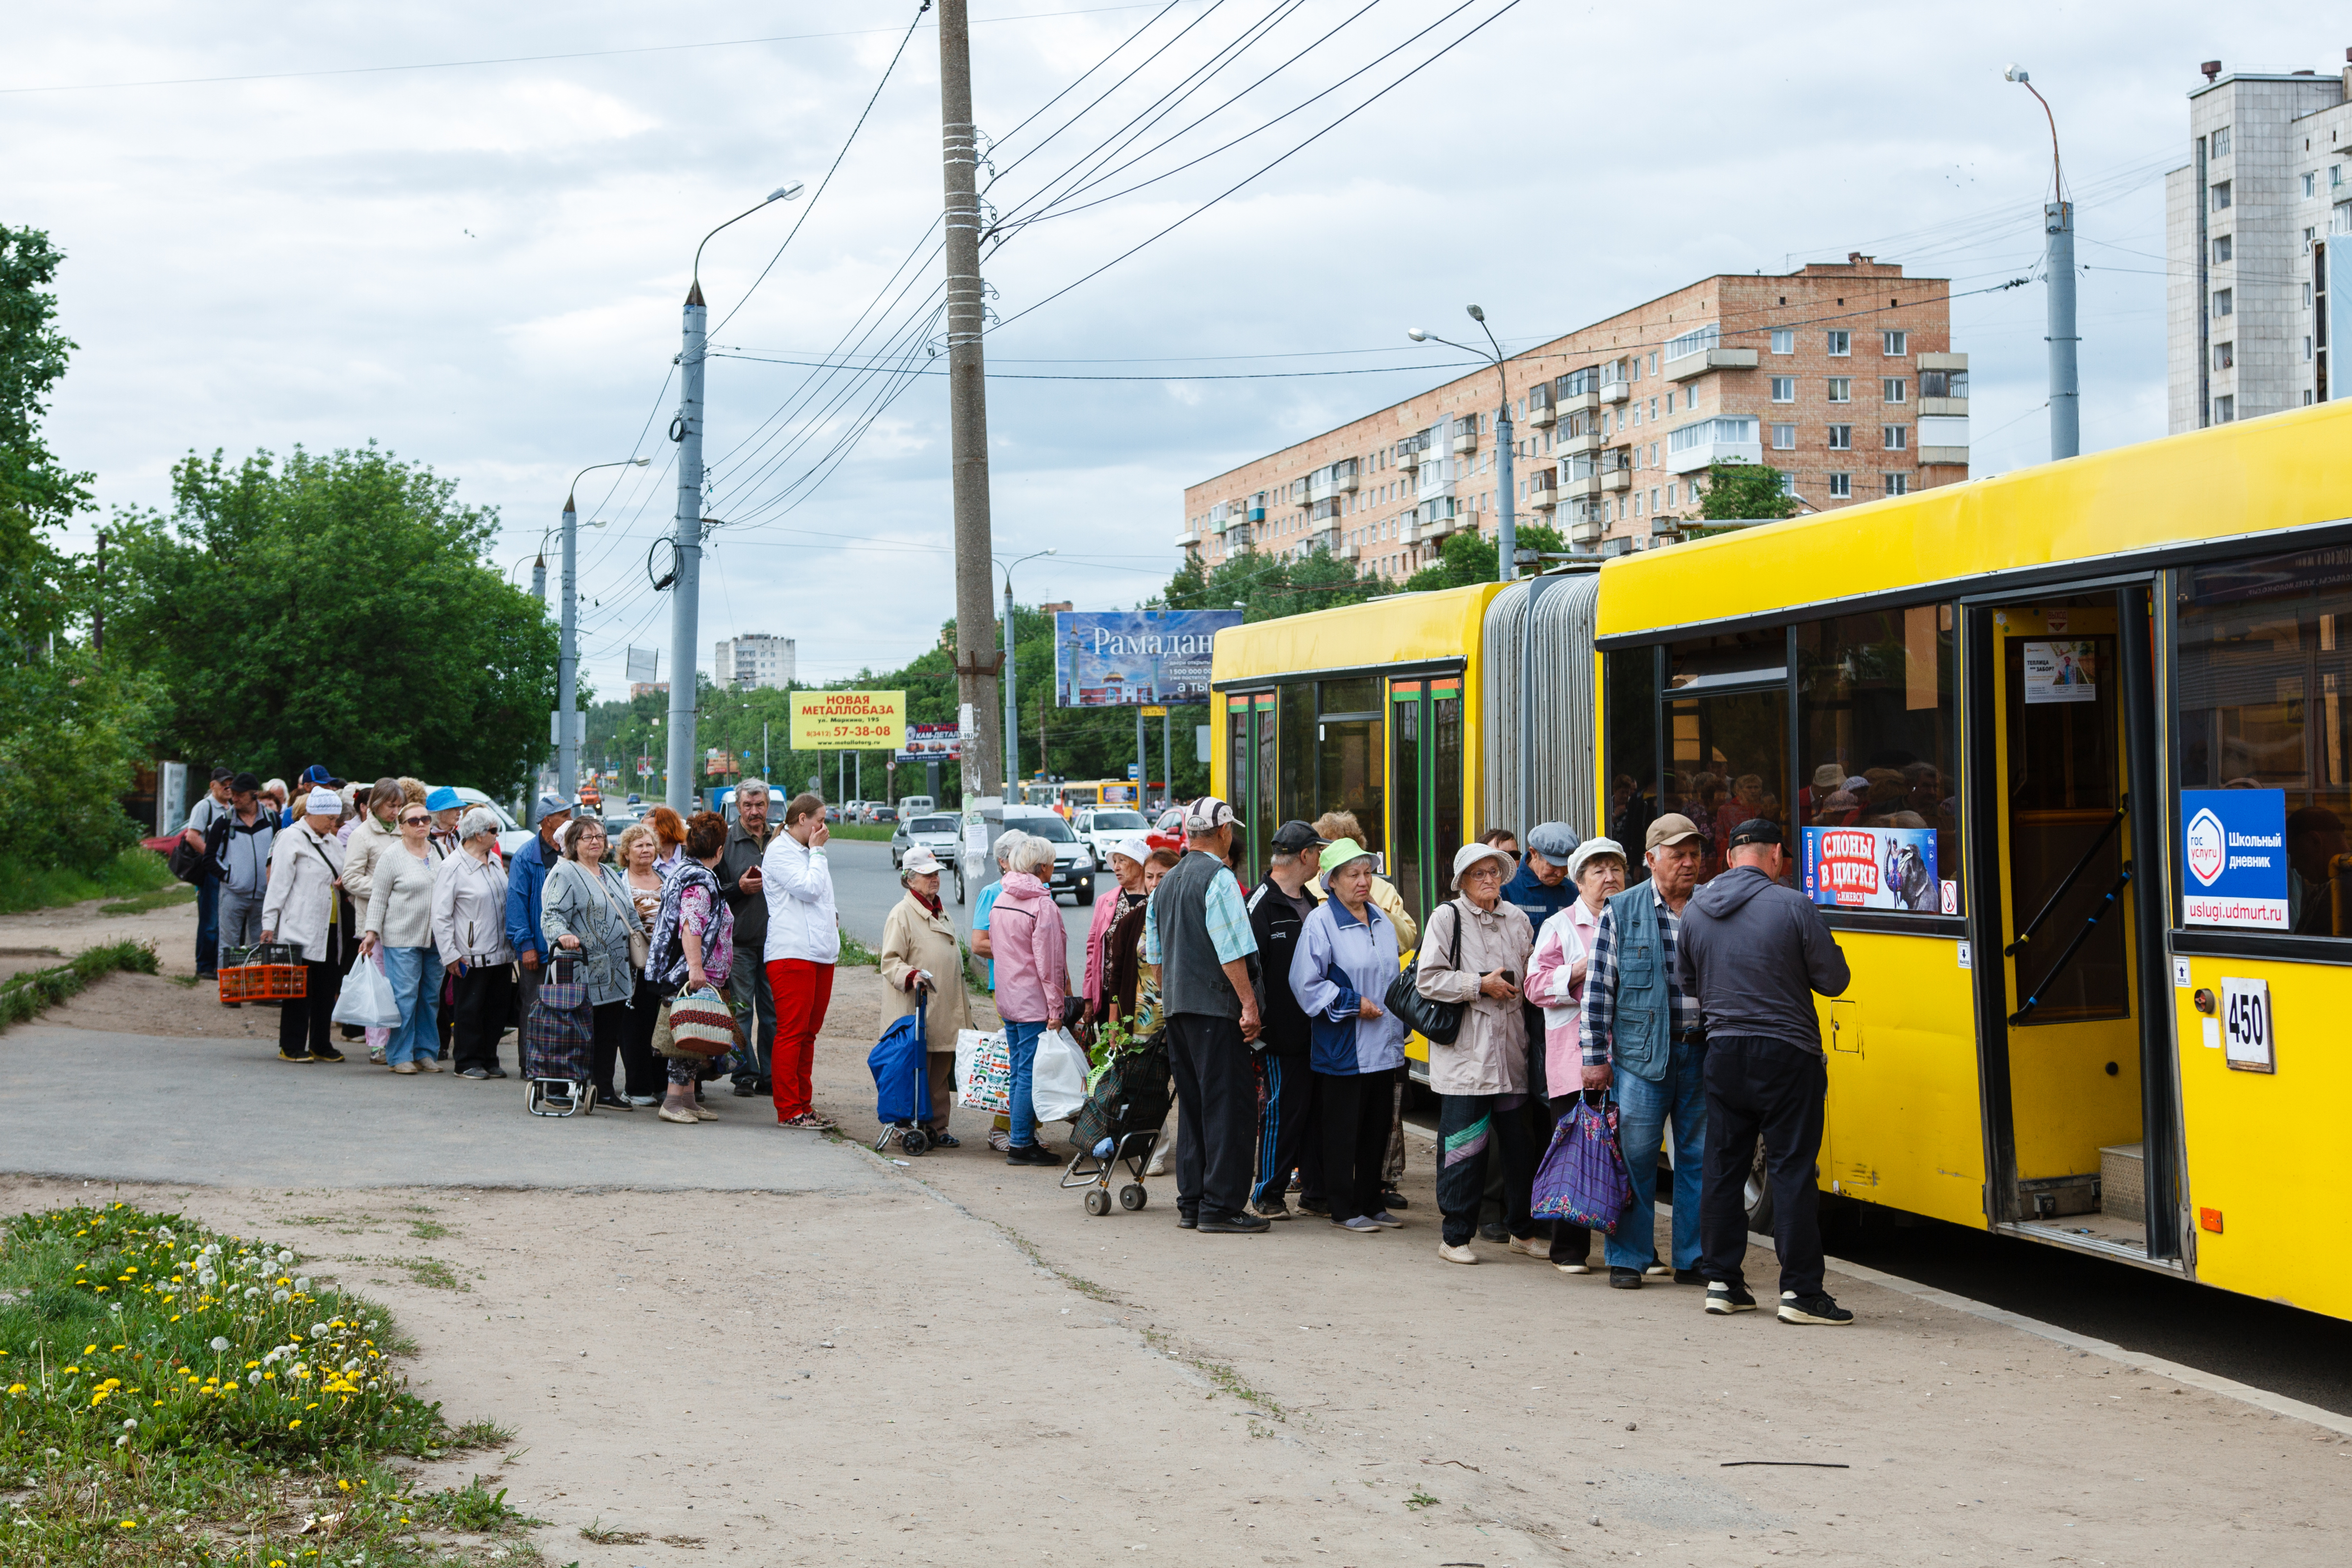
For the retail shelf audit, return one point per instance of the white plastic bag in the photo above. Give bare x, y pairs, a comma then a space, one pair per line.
365, 1001
1058, 1080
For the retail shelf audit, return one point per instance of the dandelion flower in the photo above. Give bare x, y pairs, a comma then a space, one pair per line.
220, 1343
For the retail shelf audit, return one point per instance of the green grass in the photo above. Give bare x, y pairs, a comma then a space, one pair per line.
22, 996
173, 1395
853, 951
868, 832
135, 871
161, 899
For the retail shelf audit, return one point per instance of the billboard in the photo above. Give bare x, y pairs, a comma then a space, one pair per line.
1876, 868
932, 743
2233, 855
848, 720
1127, 658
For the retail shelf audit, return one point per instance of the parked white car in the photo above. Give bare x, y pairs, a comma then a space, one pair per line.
512, 836
1104, 826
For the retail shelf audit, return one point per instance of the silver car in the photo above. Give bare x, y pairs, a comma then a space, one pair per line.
937, 832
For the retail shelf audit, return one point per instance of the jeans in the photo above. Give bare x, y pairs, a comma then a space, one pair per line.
1775, 1089
1642, 1108
415, 974
755, 1014
208, 895
1471, 1128
1021, 1044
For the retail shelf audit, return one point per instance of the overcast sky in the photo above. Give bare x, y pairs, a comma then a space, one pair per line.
479, 266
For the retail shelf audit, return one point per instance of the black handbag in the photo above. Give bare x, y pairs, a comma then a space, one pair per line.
1438, 1022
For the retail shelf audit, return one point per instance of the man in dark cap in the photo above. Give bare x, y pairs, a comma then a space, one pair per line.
1755, 952
1277, 908
202, 819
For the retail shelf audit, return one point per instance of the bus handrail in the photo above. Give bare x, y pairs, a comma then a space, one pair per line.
2074, 946
2080, 866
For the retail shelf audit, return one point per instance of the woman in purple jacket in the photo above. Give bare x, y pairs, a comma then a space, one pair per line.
1033, 977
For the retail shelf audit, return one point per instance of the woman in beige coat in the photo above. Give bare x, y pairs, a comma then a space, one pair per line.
1474, 953
920, 962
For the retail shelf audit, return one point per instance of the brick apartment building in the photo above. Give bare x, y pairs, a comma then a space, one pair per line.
1840, 376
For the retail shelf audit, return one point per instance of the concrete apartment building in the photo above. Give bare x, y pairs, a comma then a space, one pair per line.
2258, 242
755, 659
1840, 375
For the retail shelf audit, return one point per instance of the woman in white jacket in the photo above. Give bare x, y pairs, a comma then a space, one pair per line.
470, 930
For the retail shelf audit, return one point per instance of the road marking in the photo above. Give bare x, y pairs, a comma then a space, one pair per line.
2209, 1383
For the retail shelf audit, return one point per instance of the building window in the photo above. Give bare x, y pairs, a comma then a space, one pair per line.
2222, 303
2221, 142
2225, 355
1841, 389
2222, 196
1784, 436
1784, 340
2311, 185
1897, 484
2309, 234
2307, 352
1891, 388
1787, 483
1895, 344
1841, 343
2224, 410
1895, 437
1841, 437
2221, 248
1842, 487
1784, 389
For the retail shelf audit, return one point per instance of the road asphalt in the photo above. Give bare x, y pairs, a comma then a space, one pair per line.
865, 887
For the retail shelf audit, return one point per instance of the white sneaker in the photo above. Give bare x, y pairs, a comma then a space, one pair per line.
1530, 1246
1455, 1254
1658, 1270
1573, 1267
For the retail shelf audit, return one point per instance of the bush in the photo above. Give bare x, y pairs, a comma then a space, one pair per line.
72, 735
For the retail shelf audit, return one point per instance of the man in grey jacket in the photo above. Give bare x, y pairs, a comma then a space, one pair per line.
1754, 951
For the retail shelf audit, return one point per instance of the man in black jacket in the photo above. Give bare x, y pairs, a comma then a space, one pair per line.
1285, 1104
747, 982
1754, 952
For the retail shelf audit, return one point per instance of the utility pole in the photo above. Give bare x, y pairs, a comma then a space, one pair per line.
567, 660
687, 591
976, 666
1011, 694
1166, 760
98, 610
538, 579
2058, 268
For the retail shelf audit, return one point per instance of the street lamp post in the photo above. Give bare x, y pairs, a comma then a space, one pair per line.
1507, 532
686, 431
567, 657
1012, 697
2058, 226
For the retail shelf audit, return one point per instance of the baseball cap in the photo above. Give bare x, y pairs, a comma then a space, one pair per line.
245, 784
1670, 828
1756, 830
549, 806
1555, 841
222, 776
316, 773
1294, 836
920, 860
1208, 814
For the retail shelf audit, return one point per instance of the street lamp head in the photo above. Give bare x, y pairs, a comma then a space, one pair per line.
786, 193
1416, 334
639, 462
2015, 73
1476, 314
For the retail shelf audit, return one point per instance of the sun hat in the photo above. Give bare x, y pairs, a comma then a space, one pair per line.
920, 860
322, 803
1670, 828
1134, 848
1829, 775
549, 806
1555, 841
1469, 854
1341, 852
1590, 850
443, 799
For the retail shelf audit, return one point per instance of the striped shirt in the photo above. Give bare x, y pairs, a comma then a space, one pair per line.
1600, 983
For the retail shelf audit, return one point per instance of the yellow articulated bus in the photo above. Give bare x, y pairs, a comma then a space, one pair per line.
2065, 755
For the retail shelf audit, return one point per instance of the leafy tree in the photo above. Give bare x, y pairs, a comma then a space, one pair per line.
335, 609
1268, 586
38, 588
1744, 491
1471, 557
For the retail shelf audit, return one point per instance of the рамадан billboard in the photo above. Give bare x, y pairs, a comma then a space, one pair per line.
1122, 658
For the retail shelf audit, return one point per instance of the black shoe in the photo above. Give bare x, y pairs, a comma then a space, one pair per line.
205, 974
1315, 1205
763, 1086
1035, 1154
1727, 1300
1275, 1210
745, 1088
1625, 1279
1689, 1277
329, 1055
1393, 1199
945, 1140
1495, 1233
1233, 1225
611, 1102
475, 1072
351, 1031
1813, 1308
494, 1072
1187, 1222
290, 1056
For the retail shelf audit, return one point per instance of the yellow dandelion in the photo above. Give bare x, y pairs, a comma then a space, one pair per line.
297, 1421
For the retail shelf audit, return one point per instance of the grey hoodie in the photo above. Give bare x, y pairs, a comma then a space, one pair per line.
1753, 952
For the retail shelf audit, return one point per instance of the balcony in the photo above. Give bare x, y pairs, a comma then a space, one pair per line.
1408, 458
1578, 403
1943, 439
1579, 487
1615, 391
1582, 444
1692, 365
1588, 531
1465, 439
1187, 542
1608, 480
1543, 489
1955, 407
1726, 439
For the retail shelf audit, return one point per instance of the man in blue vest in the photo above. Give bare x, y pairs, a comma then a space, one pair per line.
1642, 1034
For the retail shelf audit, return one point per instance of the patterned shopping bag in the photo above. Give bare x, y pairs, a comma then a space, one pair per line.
1582, 1178
983, 1073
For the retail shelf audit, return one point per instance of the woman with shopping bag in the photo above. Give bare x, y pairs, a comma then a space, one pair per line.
399, 936
469, 928
586, 912
693, 950
924, 970
1555, 974
1033, 981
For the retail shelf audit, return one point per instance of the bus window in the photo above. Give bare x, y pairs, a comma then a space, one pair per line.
2264, 701
1730, 746
1407, 754
1446, 776
1630, 684
1874, 706
1295, 796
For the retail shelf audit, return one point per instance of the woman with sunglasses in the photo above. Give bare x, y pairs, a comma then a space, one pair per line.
399, 932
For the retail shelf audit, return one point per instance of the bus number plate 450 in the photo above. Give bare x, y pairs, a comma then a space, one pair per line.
2247, 1041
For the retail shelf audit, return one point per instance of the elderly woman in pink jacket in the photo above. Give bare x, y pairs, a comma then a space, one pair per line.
1556, 983
1033, 981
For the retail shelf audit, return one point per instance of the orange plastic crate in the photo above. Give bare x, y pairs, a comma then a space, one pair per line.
265, 982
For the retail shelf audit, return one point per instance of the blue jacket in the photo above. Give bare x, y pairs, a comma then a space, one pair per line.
1340, 961
1537, 902
526, 878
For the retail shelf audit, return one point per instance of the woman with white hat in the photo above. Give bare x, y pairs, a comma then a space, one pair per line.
1126, 863
1474, 954
1556, 983
921, 964
1345, 960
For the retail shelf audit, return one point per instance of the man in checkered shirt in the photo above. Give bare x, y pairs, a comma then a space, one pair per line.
1642, 1033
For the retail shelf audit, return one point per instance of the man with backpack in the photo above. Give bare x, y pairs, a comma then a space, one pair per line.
198, 836
237, 847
